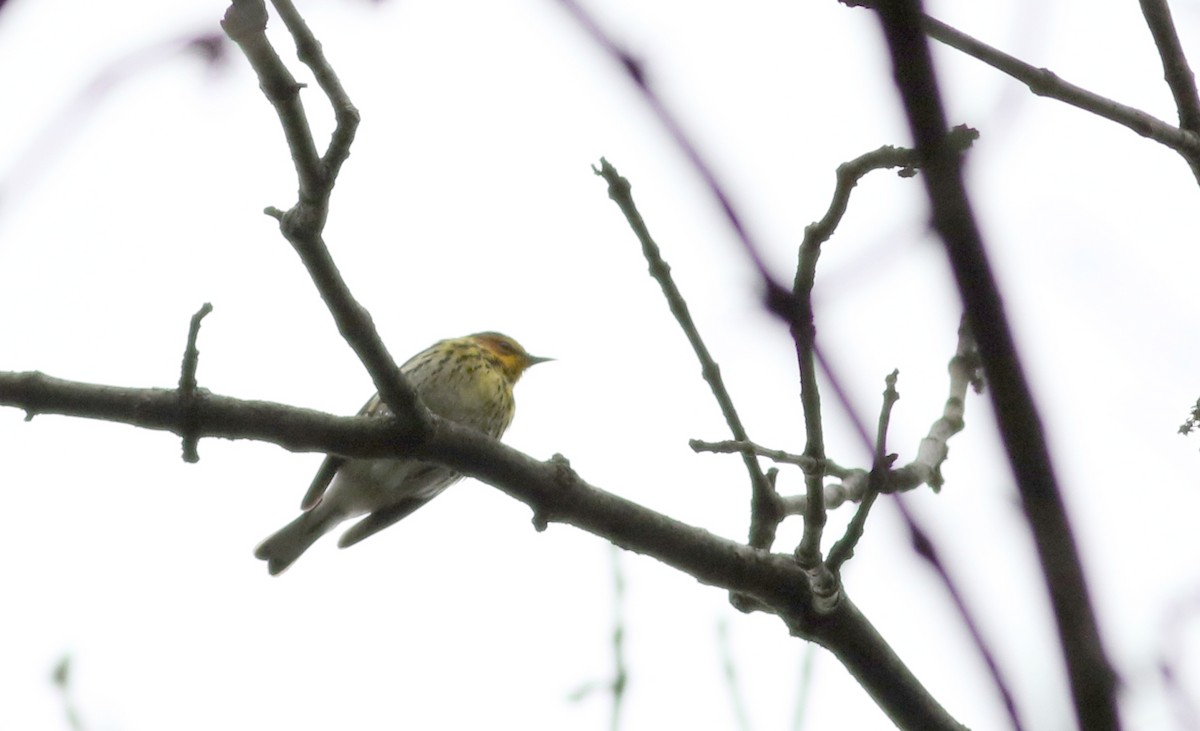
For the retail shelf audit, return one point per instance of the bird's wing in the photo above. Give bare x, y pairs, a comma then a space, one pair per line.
380, 519
327, 470
320, 481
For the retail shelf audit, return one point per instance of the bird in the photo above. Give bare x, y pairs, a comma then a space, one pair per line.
468, 380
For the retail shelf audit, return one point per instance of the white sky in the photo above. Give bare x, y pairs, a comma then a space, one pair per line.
469, 204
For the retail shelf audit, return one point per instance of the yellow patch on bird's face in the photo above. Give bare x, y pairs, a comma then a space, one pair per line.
509, 354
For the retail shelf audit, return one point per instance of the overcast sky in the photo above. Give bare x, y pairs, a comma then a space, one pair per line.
132, 181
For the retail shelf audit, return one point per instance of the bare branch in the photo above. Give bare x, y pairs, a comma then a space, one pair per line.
804, 333
828, 467
1176, 70
187, 384
925, 469
245, 22
1044, 82
765, 509
308, 50
841, 551
551, 488
808, 356
849, 173
1092, 679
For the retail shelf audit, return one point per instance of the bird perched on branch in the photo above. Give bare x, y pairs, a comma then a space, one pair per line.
467, 380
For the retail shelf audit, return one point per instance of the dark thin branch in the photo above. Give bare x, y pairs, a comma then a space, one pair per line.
804, 334
841, 551
803, 329
765, 511
1092, 679
551, 488
245, 22
309, 51
1176, 70
926, 468
887, 157
828, 468
1044, 82
187, 384
926, 549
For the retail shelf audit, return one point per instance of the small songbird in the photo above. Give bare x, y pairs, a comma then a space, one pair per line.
467, 380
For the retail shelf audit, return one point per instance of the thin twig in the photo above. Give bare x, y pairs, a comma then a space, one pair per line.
1176, 70
829, 468
808, 553
553, 489
308, 50
804, 334
187, 385
886, 157
765, 512
1092, 679
245, 22
841, 551
1044, 82
926, 468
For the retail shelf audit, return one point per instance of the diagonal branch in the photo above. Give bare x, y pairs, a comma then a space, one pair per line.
803, 328
1043, 82
246, 22
1176, 70
551, 488
765, 510
309, 51
1092, 679
841, 551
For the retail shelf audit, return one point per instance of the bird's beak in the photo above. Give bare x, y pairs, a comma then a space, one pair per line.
532, 360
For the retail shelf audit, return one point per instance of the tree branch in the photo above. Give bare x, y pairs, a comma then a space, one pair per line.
841, 551
1176, 70
246, 22
1092, 679
1044, 82
187, 382
551, 488
765, 508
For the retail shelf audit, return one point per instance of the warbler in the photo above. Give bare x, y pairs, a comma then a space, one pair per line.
468, 380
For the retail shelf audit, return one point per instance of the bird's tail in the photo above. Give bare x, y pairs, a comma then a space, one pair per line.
285, 545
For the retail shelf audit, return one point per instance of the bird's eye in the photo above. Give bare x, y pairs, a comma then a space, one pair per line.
507, 347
